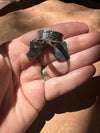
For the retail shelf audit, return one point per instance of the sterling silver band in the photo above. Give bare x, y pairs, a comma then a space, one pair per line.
45, 74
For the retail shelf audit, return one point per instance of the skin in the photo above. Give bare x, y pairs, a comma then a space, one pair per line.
25, 92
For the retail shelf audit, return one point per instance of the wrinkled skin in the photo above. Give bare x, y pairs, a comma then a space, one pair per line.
23, 92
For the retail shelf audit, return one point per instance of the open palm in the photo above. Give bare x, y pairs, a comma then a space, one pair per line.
23, 92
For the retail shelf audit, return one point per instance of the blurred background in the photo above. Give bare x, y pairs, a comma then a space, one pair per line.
76, 112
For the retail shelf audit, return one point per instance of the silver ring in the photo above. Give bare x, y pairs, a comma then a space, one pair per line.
48, 37
45, 75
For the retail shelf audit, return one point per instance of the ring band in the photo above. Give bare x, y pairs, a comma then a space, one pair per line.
52, 38
45, 75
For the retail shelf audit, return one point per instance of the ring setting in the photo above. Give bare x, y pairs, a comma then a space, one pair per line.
53, 39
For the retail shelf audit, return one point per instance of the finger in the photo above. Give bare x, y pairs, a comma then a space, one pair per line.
68, 29
80, 59
82, 42
74, 45
60, 85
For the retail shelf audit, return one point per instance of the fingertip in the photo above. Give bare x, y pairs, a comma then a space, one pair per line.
75, 28
84, 26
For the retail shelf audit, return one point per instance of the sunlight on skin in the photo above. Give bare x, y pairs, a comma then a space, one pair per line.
25, 92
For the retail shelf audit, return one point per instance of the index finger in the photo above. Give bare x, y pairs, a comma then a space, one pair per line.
68, 30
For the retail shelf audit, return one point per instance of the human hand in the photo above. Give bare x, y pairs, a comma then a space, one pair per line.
23, 92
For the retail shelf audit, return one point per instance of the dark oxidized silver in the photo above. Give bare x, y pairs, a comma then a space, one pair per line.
48, 37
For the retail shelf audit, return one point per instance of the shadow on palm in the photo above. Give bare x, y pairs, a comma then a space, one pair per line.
81, 98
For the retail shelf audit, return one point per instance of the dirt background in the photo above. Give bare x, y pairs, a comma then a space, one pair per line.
14, 24
72, 113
